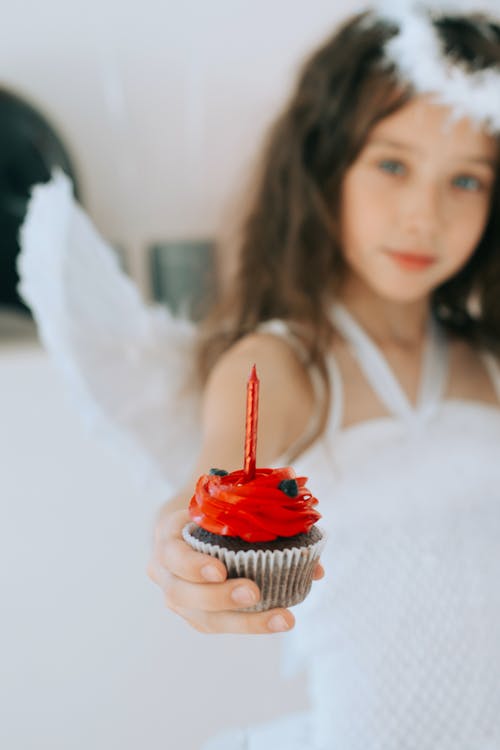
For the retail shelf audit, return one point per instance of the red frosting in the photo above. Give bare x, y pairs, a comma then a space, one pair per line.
256, 511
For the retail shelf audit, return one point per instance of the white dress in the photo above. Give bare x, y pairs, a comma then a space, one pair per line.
401, 639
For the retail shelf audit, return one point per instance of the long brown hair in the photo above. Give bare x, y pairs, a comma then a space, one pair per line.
290, 259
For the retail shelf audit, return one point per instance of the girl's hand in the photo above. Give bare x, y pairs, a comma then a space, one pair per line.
195, 586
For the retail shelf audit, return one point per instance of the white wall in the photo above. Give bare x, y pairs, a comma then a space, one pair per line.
162, 103
162, 106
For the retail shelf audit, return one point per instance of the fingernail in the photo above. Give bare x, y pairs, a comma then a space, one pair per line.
243, 595
212, 574
277, 623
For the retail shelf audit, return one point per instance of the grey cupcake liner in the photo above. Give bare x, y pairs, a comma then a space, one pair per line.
284, 577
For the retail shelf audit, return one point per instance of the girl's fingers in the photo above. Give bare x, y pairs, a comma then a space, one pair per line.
319, 572
183, 595
272, 621
174, 554
184, 562
183, 574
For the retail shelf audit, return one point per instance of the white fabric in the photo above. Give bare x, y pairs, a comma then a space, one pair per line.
129, 367
401, 639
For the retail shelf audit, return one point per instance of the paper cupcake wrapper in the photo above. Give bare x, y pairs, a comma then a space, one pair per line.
284, 577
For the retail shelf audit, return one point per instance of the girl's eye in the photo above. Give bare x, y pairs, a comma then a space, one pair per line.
471, 184
391, 166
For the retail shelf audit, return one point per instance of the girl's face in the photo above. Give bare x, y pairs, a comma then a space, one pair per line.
416, 201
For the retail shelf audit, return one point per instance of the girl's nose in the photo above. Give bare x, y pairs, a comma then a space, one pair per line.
421, 209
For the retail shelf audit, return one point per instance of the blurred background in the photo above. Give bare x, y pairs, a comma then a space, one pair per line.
156, 110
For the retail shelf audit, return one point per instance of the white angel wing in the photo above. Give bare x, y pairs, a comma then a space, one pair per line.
130, 367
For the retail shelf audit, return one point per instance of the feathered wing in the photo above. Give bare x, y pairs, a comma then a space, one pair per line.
130, 366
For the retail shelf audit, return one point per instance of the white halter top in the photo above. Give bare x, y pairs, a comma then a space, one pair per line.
402, 636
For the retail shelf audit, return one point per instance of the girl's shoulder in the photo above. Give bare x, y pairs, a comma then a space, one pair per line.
286, 397
278, 362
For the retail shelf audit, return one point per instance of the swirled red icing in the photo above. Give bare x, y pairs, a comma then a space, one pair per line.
257, 510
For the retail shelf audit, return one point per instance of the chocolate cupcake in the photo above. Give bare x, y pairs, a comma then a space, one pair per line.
262, 529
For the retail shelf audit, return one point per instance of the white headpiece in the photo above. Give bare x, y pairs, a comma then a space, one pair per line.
417, 53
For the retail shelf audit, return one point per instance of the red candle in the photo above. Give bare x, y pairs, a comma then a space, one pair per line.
251, 424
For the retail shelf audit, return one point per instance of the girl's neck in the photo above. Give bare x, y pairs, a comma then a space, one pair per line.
389, 323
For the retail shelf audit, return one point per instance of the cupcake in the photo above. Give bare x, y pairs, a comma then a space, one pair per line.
259, 522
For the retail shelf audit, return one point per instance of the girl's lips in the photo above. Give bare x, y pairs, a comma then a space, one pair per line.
411, 261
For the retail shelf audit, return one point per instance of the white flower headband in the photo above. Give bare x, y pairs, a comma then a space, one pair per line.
417, 53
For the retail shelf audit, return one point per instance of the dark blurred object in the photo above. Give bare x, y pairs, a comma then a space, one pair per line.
29, 149
183, 276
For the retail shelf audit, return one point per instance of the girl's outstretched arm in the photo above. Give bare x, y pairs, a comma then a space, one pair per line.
195, 585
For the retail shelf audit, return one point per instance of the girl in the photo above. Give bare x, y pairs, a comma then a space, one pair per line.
367, 294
